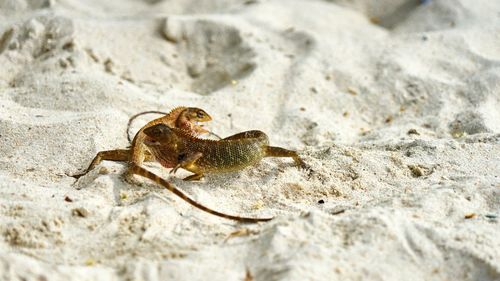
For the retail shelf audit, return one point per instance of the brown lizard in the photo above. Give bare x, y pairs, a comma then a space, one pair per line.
131, 119
203, 156
185, 118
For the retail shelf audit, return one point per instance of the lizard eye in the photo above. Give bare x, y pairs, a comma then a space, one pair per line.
200, 114
157, 131
181, 156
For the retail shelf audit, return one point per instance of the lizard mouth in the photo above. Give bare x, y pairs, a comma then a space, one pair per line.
200, 128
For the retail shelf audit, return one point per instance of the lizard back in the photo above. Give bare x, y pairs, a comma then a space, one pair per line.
230, 154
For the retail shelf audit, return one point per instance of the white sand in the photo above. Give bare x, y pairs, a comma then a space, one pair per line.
343, 82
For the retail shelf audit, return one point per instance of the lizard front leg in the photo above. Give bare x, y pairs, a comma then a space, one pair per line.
187, 161
111, 155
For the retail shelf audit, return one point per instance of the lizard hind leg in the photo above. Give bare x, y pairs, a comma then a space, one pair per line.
194, 177
274, 151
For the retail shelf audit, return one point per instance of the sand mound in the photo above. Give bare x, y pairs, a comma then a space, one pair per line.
394, 104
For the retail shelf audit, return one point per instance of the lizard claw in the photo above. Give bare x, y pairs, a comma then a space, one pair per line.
302, 165
308, 169
76, 176
174, 170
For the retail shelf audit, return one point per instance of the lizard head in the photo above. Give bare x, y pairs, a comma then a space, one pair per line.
188, 120
197, 114
159, 134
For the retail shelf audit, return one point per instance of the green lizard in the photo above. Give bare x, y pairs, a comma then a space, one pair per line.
203, 156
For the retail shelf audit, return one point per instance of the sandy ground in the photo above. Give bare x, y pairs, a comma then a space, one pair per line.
394, 104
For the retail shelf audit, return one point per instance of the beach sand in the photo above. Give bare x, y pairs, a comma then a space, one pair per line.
394, 104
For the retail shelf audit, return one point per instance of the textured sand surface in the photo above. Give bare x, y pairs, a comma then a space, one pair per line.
394, 104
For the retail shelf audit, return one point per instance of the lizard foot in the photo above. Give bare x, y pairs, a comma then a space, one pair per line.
129, 178
174, 170
76, 176
194, 177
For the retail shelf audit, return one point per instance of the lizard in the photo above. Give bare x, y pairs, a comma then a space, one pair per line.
185, 118
131, 119
203, 156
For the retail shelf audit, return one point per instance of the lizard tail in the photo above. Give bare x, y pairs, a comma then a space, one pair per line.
131, 119
145, 173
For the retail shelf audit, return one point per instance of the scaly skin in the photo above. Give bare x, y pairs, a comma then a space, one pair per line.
201, 156
184, 118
